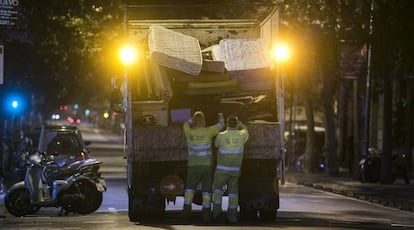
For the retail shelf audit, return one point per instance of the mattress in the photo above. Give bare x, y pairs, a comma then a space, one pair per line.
242, 54
174, 50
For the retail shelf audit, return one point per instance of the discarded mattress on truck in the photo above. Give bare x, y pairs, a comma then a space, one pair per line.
242, 54
247, 61
174, 50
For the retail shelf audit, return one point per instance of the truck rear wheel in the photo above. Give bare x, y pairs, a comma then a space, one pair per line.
145, 208
246, 214
268, 215
266, 204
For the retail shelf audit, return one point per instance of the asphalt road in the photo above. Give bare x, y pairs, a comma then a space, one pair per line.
301, 208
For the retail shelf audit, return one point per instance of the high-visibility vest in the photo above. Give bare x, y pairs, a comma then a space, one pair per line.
199, 143
230, 144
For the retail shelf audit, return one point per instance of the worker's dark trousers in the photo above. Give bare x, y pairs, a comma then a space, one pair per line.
222, 178
196, 175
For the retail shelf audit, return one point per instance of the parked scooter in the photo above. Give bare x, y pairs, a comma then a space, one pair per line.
74, 186
370, 167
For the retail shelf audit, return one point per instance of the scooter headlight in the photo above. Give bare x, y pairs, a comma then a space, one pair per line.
35, 158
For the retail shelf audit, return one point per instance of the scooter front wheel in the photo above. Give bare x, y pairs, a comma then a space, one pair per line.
92, 198
18, 202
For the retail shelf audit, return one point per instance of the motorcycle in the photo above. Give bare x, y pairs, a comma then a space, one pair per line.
75, 187
370, 167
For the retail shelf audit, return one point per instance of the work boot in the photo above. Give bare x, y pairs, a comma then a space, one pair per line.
186, 212
218, 218
232, 216
216, 213
206, 215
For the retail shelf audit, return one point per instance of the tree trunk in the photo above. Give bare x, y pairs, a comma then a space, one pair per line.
330, 150
386, 161
310, 160
409, 122
342, 122
355, 131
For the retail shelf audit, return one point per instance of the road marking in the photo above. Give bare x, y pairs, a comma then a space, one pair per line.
402, 226
99, 222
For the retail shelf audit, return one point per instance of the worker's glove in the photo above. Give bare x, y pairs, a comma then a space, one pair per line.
220, 117
239, 125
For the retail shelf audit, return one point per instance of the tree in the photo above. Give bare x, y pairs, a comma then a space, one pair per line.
392, 62
71, 42
326, 22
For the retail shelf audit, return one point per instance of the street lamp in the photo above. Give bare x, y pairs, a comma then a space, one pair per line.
128, 56
281, 54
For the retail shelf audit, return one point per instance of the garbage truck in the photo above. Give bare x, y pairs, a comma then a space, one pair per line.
187, 65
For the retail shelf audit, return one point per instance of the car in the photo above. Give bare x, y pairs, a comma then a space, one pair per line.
64, 141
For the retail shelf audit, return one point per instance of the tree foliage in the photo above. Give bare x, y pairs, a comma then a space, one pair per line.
324, 25
70, 43
317, 27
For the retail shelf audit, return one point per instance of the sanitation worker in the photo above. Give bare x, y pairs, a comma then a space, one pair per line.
230, 144
200, 162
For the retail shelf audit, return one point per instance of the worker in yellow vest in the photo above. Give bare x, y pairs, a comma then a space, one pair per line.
230, 144
200, 161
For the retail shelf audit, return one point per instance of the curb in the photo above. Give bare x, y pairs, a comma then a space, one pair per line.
360, 196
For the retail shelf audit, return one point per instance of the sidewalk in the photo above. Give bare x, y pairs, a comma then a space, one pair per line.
398, 195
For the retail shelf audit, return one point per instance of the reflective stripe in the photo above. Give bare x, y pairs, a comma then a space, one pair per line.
198, 147
206, 206
188, 202
189, 190
206, 194
217, 202
232, 195
218, 191
227, 168
232, 206
200, 154
231, 151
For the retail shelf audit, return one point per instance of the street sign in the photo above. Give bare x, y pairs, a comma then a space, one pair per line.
1, 64
9, 11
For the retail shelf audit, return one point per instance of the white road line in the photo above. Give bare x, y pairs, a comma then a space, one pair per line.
99, 222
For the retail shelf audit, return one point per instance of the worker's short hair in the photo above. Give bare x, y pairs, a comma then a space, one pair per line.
232, 121
198, 120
